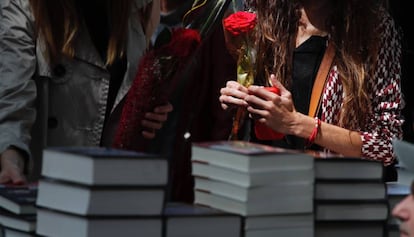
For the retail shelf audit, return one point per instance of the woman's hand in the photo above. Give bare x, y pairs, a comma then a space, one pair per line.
233, 95
275, 111
154, 120
12, 165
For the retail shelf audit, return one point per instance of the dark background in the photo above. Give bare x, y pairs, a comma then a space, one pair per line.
401, 13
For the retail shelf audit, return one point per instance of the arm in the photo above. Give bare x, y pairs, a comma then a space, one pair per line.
386, 120
279, 113
17, 89
372, 141
150, 18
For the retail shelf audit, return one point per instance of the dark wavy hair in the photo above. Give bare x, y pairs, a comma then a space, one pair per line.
352, 27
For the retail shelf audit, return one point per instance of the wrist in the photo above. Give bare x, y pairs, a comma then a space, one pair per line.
302, 125
314, 133
13, 156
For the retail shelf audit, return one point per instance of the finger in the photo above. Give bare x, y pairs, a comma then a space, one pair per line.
257, 113
277, 84
258, 102
230, 102
157, 117
234, 92
16, 177
254, 116
150, 124
224, 106
261, 92
148, 134
236, 86
13, 177
18, 180
233, 97
163, 109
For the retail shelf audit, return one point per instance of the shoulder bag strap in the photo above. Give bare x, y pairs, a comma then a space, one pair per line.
320, 80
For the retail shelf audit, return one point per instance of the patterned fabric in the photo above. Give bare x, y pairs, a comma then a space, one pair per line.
385, 120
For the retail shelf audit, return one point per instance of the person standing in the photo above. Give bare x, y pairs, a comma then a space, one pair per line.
360, 102
67, 65
197, 114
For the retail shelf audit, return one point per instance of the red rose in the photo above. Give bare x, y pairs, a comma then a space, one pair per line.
240, 22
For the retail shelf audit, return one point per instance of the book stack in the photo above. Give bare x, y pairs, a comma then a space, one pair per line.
189, 220
18, 210
272, 188
350, 198
93, 191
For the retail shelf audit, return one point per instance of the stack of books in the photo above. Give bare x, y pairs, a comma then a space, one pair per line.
350, 197
18, 210
93, 191
190, 220
272, 188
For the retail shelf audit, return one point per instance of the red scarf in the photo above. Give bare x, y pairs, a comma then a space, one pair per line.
158, 74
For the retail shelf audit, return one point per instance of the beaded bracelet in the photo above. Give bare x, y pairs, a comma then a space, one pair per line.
314, 133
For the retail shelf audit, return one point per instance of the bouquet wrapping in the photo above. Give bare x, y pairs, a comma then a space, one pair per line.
162, 68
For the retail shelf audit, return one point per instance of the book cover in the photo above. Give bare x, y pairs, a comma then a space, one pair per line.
102, 152
101, 200
10, 232
248, 156
189, 220
297, 231
351, 211
19, 199
350, 228
243, 147
261, 206
55, 223
21, 222
348, 168
104, 166
279, 221
274, 192
251, 179
350, 191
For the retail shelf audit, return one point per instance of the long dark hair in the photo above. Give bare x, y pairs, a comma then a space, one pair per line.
353, 28
58, 22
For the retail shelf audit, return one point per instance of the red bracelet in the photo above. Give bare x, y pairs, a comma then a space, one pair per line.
314, 133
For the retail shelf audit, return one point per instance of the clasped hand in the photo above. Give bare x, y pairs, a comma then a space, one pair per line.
275, 111
153, 121
12, 165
